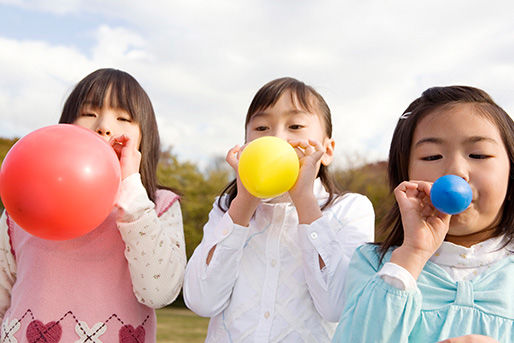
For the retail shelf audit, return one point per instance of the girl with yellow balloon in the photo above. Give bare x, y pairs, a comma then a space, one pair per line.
275, 251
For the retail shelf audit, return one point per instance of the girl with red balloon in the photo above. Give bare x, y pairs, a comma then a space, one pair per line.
89, 247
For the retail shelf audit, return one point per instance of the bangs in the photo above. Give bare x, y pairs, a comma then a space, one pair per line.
300, 97
121, 95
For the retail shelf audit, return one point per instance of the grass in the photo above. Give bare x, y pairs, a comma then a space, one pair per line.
176, 325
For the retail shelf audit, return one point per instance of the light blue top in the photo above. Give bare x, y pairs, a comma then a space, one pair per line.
438, 309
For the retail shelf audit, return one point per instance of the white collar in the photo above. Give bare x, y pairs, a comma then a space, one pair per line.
480, 254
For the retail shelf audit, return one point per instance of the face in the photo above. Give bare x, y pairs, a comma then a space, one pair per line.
461, 141
288, 121
109, 122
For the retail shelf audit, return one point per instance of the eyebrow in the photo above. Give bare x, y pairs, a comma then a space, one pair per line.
473, 139
267, 114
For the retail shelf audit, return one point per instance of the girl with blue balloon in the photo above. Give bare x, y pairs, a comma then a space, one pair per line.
445, 270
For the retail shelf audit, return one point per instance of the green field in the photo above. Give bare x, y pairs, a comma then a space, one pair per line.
180, 325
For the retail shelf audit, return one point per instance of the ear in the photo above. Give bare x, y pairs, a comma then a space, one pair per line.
329, 145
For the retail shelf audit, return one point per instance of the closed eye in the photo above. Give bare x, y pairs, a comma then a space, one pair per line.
432, 158
88, 114
125, 119
479, 156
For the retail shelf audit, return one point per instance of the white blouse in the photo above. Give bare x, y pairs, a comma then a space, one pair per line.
264, 282
145, 260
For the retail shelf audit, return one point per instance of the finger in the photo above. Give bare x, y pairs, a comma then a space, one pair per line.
232, 157
304, 144
241, 150
317, 145
299, 152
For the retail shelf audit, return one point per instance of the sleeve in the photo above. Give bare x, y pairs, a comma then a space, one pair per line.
154, 245
334, 237
397, 276
7, 266
375, 311
208, 288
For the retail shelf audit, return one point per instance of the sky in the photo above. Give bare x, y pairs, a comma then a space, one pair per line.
201, 62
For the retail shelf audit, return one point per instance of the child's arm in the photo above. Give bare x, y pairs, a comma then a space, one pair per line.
7, 266
208, 286
155, 248
424, 227
214, 267
375, 311
333, 238
327, 239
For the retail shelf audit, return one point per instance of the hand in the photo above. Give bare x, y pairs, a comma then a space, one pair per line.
424, 227
128, 154
244, 204
470, 339
309, 153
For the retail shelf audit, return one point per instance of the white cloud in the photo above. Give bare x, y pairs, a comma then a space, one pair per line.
201, 62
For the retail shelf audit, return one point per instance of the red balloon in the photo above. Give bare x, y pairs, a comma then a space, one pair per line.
60, 182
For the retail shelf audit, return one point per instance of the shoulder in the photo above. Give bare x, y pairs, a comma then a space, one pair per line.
352, 203
369, 254
164, 199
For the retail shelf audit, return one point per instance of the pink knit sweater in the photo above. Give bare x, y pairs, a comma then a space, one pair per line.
78, 290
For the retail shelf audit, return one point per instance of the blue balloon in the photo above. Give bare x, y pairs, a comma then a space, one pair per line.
451, 194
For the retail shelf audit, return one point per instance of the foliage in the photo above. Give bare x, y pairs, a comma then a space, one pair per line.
5, 145
370, 180
197, 190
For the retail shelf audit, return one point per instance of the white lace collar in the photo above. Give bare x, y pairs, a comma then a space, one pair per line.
480, 254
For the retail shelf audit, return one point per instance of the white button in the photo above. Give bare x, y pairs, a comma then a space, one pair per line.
273, 263
266, 315
314, 235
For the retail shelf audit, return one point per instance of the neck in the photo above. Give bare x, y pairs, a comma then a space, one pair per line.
281, 198
471, 239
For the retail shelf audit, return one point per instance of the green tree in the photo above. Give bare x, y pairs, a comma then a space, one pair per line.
5, 145
371, 180
197, 190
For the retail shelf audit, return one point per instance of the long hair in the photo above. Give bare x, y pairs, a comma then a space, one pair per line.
127, 94
433, 99
308, 99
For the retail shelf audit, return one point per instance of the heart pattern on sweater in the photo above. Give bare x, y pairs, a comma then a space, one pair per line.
37, 332
130, 335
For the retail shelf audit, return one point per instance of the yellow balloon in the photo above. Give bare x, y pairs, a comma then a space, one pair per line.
268, 167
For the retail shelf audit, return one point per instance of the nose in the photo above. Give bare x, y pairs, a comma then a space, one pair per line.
280, 133
103, 129
458, 166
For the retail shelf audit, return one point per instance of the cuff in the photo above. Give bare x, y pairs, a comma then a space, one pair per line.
132, 201
397, 276
228, 234
319, 235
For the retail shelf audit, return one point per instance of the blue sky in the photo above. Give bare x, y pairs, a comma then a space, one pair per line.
201, 62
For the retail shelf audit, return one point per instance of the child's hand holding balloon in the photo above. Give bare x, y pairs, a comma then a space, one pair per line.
426, 211
127, 151
424, 228
309, 154
244, 204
